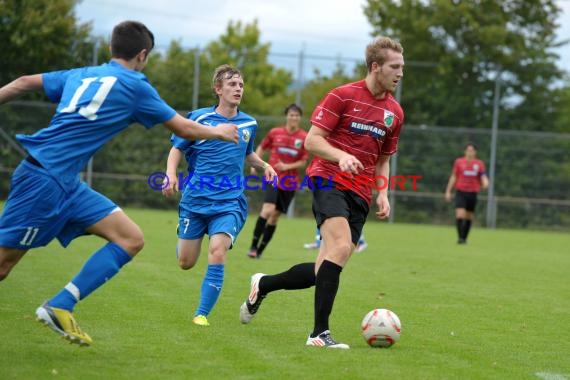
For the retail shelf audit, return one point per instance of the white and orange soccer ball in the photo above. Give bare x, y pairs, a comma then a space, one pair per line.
381, 328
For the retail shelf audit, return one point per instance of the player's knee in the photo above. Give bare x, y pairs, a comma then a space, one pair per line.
217, 255
186, 264
133, 244
274, 218
267, 210
342, 250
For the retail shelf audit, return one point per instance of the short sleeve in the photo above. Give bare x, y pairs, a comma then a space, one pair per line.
53, 83
327, 113
251, 141
456, 170
151, 109
267, 141
390, 145
180, 143
482, 170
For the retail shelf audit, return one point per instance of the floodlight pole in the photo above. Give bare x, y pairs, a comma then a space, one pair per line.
491, 206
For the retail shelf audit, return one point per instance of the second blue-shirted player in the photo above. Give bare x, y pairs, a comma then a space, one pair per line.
47, 200
213, 201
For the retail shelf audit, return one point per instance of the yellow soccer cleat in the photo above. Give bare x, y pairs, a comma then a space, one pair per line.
200, 320
62, 322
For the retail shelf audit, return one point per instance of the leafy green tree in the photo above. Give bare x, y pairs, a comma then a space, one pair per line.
266, 86
562, 100
319, 85
173, 75
455, 50
41, 35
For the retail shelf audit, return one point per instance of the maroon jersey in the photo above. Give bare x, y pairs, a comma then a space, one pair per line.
468, 174
288, 148
358, 124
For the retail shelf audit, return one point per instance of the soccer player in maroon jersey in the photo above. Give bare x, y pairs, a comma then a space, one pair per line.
288, 154
467, 177
355, 129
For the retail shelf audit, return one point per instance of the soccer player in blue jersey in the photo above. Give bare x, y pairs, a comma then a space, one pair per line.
48, 200
213, 200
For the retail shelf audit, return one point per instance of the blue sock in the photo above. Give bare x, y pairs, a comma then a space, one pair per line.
211, 288
100, 267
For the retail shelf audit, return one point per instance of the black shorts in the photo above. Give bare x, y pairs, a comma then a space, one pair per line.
328, 202
466, 200
280, 198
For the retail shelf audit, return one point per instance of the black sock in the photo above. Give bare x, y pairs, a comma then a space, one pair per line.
466, 228
326, 286
259, 227
300, 276
459, 225
267, 235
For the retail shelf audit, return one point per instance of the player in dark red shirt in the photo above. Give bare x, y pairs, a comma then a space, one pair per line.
467, 177
354, 131
288, 154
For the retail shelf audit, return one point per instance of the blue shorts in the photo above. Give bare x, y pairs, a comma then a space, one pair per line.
38, 210
196, 221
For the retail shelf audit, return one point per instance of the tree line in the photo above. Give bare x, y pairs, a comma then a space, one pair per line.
454, 51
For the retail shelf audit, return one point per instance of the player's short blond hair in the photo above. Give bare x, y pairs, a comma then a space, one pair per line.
223, 72
376, 50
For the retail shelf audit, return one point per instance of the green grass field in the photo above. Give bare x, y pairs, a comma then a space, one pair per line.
497, 308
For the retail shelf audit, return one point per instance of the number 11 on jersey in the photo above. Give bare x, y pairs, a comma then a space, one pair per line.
90, 111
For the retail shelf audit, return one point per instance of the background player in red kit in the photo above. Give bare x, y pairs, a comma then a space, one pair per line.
288, 154
467, 176
355, 129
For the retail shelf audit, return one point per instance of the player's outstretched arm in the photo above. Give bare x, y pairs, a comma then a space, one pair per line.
191, 130
20, 86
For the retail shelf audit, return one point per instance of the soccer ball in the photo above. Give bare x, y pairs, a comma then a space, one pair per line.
381, 328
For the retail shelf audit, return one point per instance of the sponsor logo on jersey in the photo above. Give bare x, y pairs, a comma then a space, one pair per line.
367, 128
287, 151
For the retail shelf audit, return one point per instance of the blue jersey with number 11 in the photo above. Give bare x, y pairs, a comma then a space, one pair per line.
95, 104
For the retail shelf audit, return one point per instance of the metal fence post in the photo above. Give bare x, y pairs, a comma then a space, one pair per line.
491, 214
394, 168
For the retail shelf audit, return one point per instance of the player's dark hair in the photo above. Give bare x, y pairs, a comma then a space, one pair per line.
470, 144
294, 107
129, 38
223, 72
